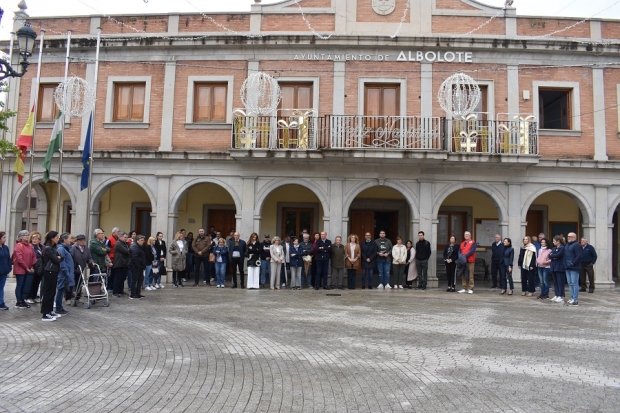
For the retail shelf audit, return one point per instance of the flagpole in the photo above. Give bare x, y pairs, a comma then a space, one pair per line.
62, 136
34, 128
89, 230
6, 95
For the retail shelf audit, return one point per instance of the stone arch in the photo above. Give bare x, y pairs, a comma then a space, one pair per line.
612, 209
262, 195
176, 199
38, 179
104, 186
582, 203
395, 185
493, 193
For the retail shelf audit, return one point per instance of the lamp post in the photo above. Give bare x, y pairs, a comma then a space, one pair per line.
25, 40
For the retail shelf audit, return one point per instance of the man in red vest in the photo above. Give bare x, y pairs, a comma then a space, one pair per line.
468, 249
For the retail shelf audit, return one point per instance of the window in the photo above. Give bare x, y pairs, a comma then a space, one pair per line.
129, 101
382, 100
450, 223
481, 108
295, 96
294, 220
555, 108
46, 106
210, 102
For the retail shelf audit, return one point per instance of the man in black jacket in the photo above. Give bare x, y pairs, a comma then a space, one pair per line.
588, 259
497, 254
369, 257
138, 265
422, 254
265, 259
323, 253
236, 255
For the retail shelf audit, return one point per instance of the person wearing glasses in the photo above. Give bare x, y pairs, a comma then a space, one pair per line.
98, 249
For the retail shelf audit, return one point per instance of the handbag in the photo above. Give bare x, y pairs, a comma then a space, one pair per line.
211, 257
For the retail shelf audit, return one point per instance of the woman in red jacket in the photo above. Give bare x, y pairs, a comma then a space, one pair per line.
24, 259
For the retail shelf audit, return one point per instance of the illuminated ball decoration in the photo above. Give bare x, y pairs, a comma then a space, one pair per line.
459, 95
260, 94
75, 97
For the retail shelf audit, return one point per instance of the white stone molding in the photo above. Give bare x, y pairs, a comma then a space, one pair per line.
109, 181
575, 103
273, 184
576, 194
362, 81
399, 186
226, 185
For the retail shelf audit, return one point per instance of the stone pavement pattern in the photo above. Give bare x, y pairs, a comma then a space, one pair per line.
204, 349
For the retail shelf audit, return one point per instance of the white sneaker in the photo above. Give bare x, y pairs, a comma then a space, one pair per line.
149, 288
218, 286
571, 301
212, 279
556, 299
223, 286
462, 291
380, 287
30, 301
283, 284
161, 286
184, 280
387, 287
470, 291
204, 282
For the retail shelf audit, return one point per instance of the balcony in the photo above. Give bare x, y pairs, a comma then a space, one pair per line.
508, 135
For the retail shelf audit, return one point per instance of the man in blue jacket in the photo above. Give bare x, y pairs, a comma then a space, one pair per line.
323, 253
497, 256
588, 259
572, 262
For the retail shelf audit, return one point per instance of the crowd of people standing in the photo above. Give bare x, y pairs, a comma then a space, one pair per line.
47, 269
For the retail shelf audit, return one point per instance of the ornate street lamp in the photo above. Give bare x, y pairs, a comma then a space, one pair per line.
25, 39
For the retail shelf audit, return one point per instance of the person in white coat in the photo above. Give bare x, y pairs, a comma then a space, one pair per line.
399, 261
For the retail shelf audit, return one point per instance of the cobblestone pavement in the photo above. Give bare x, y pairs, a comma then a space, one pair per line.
206, 349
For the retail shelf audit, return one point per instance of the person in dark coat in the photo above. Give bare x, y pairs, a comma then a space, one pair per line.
558, 269
505, 273
82, 258
51, 265
369, 260
572, 262
5, 268
450, 255
236, 254
121, 264
497, 256
160, 257
137, 262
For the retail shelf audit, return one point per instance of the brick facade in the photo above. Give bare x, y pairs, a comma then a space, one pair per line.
365, 13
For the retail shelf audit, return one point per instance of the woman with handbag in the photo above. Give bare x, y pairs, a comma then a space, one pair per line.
353, 258
178, 250
253, 254
51, 265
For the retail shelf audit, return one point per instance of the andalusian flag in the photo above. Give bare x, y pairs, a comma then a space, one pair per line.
23, 143
55, 145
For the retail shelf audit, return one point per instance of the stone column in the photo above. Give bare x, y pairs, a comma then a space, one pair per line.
516, 227
336, 190
428, 224
426, 90
513, 89
339, 88
598, 93
168, 107
246, 226
159, 216
602, 241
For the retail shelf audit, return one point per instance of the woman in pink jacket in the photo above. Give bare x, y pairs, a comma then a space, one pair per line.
24, 259
544, 263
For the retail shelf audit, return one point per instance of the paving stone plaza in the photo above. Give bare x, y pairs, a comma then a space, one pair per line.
205, 349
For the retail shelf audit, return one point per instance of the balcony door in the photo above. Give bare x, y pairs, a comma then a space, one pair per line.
296, 98
295, 220
450, 223
380, 102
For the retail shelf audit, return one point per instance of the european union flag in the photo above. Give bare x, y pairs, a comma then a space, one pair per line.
87, 154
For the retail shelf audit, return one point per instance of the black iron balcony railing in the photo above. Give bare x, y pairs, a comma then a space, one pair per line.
514, 136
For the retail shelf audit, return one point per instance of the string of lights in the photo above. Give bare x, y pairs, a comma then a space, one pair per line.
402, 20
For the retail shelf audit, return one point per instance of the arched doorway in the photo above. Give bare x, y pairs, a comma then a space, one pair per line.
554, 213
289, 209
125, 205
206, 205
380, 208
44, 208
468, 210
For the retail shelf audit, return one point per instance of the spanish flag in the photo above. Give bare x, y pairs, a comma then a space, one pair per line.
23, 143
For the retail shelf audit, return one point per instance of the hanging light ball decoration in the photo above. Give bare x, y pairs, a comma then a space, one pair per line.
75, 97
459, 95
260, 94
